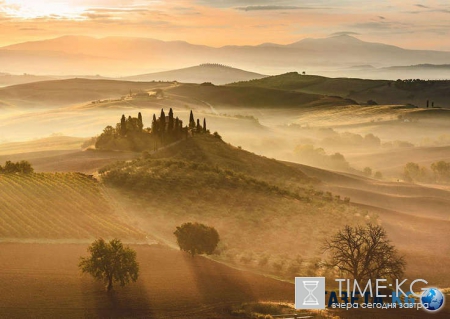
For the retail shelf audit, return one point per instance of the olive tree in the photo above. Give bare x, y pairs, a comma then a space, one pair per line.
196, 238
364, 252
110, 262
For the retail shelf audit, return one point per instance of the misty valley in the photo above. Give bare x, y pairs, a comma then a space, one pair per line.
263, 175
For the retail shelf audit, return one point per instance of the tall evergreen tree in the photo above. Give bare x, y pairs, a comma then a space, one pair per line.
170, 120
204, 125
140, 123
154, 124
199, 128
162, 119
177, 124
123, 125
191, 120
129, 125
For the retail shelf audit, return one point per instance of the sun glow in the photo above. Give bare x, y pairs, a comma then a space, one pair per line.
26, 9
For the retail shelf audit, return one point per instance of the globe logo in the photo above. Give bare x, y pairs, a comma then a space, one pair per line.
432, 299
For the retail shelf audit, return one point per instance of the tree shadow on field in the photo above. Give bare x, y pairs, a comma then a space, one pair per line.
218, 284
131, 301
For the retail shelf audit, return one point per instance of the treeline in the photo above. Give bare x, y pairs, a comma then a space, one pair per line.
439, 172
22, 167
414, 84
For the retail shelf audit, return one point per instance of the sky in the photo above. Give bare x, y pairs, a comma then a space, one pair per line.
409, 24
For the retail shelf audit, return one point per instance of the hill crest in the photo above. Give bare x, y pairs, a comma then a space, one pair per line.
215, 73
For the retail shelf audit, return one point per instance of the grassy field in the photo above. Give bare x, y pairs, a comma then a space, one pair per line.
43, 281
57, 206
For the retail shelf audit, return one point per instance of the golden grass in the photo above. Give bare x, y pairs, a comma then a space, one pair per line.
57, 206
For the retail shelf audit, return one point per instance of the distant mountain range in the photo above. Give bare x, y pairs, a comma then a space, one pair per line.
125, 56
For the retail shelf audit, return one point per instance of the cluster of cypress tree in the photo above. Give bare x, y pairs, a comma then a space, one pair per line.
166, 124
196, 127
130, 134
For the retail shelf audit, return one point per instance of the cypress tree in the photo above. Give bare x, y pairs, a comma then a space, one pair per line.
170, 120
154, 124
204, 125
191, 120
123, 126
177, 124
199, 128
140, 123
162, 118
130, 124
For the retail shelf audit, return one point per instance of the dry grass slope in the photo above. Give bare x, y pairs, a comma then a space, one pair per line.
264, 212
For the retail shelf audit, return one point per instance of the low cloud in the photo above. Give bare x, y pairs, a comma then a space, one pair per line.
95, 16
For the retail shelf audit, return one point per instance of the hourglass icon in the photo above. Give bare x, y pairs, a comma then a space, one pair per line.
310, 299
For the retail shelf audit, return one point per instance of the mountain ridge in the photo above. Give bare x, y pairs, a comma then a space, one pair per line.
146, 55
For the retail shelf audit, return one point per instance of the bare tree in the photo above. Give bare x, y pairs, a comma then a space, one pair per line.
364, 252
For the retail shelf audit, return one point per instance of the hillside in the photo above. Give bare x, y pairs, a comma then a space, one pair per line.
214, 73
251, 97
9, 79
401, 208
67, 92
53, 143
425, 71
57, 206
313, 84
266, 212
86, 162
381, 91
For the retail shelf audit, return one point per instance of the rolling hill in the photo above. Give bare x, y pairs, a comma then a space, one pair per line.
214, 73
425, 71
253, 96
381, 91
9, 79
403, 209
57, 206
262, 208
48, 94
54, 143
58, 93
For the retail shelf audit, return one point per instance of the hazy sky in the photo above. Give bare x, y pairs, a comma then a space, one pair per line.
410, 24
